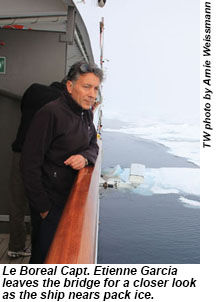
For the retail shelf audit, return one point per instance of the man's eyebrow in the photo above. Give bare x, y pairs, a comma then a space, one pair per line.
88, 84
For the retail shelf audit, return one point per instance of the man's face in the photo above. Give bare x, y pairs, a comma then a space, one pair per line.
84, 90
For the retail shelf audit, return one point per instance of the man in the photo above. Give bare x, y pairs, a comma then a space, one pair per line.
61, 140
33, 99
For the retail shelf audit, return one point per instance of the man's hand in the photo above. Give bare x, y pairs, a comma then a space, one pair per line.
44, 214
76, 162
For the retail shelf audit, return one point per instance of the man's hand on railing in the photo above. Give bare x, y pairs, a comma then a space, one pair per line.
77, 162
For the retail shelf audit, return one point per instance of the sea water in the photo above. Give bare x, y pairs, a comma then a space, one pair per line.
158, 221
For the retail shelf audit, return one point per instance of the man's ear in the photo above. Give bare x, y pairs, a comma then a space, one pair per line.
69, 86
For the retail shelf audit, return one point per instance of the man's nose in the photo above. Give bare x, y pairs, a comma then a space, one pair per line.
92, 93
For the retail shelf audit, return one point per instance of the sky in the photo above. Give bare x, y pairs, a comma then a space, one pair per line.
151, 53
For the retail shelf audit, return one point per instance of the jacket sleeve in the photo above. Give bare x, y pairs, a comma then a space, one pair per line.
92, 152
38, 140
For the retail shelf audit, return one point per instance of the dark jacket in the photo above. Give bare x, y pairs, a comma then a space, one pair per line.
60, 129
35, 97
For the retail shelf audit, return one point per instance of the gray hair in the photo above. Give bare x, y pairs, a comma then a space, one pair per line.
80, 68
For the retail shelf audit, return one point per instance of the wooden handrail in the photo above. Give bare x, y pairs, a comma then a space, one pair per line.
75, 240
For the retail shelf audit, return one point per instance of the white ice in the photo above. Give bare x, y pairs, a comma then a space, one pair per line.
182, 139
189, 202
173, 180
184, 181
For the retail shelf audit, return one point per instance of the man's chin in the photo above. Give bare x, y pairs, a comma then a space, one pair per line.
86, 107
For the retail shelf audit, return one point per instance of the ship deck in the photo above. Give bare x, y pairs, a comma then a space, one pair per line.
4, 259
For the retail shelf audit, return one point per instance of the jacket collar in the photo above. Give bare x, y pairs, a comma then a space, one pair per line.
76, 108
